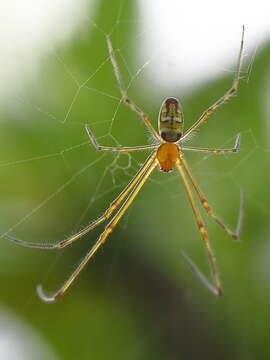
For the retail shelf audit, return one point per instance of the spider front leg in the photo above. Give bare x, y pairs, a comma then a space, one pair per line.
125, 97
217, 290
225, 97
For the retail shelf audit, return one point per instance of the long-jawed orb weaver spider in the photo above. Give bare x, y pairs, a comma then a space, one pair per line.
167, 154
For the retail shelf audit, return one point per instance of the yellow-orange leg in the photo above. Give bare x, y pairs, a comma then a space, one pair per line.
117, 149
102, 238
114, 205
235, 149
225, 97
208, 208
125, 97
201, 227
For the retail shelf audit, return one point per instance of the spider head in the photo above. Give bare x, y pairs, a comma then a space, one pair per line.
171, 120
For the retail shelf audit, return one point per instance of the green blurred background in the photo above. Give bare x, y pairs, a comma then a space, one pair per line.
137, 299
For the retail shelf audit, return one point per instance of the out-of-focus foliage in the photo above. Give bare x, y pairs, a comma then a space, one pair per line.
137, 299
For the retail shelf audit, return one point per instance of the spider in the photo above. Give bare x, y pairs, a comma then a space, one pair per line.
167, 153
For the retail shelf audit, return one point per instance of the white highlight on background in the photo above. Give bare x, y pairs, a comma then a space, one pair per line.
192, 41
187, 41
19, 341
29, 31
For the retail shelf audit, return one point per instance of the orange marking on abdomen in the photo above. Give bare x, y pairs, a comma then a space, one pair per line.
167, 155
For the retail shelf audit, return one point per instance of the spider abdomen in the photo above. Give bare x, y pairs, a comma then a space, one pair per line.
167, 155
171, 120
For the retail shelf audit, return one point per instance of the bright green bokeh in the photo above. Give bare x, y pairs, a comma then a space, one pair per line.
137, 299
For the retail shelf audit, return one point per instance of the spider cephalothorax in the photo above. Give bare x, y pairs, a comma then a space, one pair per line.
167, 155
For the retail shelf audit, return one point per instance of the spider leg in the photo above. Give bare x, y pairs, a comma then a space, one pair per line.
225, 97
207, 207
102, 238
201, 277
118, 149
125, 97
236, 148
202, 229
92, 225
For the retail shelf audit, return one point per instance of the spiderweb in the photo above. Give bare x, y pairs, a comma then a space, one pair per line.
55, 182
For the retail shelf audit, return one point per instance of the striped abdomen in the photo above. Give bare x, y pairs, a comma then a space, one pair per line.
171, 120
